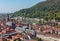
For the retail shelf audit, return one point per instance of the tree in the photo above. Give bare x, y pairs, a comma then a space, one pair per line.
40, 39
17, 39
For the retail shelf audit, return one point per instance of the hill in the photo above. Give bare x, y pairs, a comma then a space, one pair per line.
49, 9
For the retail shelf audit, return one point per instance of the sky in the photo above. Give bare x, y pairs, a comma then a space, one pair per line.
10, 6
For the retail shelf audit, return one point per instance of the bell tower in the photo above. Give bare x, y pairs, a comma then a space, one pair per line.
8, 17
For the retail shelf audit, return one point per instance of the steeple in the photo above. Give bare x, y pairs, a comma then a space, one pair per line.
8, 17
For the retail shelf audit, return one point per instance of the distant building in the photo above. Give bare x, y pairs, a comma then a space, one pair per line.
21, 29
9, 23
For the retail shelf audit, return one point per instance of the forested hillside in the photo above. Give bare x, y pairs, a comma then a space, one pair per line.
49, 9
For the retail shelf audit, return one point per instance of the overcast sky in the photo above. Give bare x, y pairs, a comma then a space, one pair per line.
9, 6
